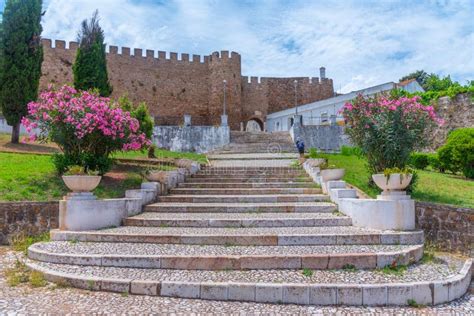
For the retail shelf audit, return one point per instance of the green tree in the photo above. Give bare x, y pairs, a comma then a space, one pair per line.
90, 67
437, 83
419, 75
21, 55
139, 112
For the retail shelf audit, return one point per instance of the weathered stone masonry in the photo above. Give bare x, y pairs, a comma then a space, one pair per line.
174, 86
449, 227
27, 218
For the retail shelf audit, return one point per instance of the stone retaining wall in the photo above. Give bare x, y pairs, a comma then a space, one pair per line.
191, 138
327, 138
29, 218
449, 227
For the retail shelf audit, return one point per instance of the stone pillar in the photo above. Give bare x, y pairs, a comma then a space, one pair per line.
187, 120
223, 120
297, 119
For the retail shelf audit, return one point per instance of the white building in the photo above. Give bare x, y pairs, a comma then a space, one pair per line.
322, 112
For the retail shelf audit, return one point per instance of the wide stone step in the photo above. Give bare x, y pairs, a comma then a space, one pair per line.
246, 174
153, 219
252, 156
250, 185
275, 198
244, 191
191, 257
232, 176
426, 284
274, 236
314, 207
238, 179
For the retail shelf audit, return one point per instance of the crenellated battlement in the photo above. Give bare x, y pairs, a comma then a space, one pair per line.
174, 84
147, 53
253, 80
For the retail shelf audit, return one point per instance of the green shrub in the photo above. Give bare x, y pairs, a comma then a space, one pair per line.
90, 162
139, 112
434, 162
419, 160
457, 155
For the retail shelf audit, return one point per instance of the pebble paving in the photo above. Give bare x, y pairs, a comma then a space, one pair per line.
100, 248
25, 300
234, 216
418, 272
240, 231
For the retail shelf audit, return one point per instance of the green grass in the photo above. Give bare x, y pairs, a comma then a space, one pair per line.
394, 270
22, 242
307, 272
431, 187
161, 153
29, 177
349, 267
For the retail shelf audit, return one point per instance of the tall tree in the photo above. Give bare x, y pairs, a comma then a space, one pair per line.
420, 75
21, 55
90, 67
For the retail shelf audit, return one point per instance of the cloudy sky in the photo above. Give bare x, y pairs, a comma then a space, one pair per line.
361, 43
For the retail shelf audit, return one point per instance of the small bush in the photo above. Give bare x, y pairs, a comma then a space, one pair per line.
433, 161
457, 155
23, 242
90, 162
419, 160
37, 279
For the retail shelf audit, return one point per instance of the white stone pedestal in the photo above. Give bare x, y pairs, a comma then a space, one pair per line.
382, 213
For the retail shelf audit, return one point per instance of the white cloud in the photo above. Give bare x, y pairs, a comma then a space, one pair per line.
361, 43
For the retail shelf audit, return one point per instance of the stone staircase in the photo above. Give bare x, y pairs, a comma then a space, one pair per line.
260, 234
259, 142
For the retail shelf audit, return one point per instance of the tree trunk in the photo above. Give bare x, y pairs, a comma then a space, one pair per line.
16, 133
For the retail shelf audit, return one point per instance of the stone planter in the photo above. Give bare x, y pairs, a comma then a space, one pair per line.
81, 183
395, 183
157, 176
315, 162
332, 174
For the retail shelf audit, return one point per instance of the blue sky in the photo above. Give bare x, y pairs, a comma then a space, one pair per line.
361, 43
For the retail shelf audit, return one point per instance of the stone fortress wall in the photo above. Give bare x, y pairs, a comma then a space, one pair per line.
173, 85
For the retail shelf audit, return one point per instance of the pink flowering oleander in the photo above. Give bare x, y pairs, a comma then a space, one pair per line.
388, 129
80, 119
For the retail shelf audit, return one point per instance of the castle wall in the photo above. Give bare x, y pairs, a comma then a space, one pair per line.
176, 84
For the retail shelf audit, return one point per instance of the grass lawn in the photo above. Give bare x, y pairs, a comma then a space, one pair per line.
161, 153
6, 146
432, 186
27, 177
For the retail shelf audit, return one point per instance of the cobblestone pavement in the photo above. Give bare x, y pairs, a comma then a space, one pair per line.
26, 300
